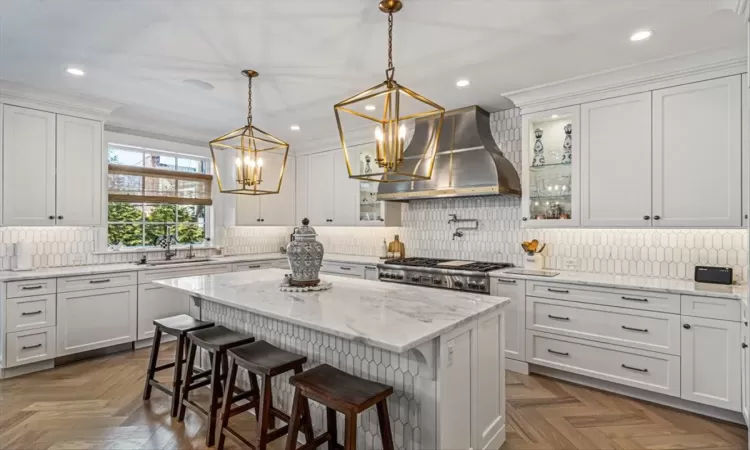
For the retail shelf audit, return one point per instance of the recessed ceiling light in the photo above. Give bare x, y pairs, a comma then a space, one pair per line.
370, 107
641, 35
76, 71
462, 83
554, 116
294, 128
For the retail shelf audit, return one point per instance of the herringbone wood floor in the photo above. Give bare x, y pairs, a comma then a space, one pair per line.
97, 404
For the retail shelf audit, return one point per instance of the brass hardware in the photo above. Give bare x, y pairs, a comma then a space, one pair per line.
400, 106
248, 146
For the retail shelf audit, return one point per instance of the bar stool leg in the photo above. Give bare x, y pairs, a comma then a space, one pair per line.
350, 432
152, 364
177, 378
384, 421
291, 437
192, 348
265, 413
215, 394
331, 424
226, 405
256, 392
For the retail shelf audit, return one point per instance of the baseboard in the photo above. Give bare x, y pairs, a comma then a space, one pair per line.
648, 396
516, 366
26, 369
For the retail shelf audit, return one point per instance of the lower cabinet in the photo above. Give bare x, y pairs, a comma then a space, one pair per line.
371, 273
156, 302
515, 315
745, 370
29, 346
711, 362
92, 319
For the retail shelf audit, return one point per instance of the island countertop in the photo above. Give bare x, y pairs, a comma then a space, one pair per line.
395, 317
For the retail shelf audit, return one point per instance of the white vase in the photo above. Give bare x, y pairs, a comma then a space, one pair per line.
534, 261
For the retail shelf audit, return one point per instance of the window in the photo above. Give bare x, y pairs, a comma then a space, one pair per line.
154, 194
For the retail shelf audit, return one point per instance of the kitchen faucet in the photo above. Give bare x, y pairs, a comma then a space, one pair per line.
169, 254
460, 230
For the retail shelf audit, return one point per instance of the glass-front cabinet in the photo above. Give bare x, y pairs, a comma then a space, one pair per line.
550, 169
370, 211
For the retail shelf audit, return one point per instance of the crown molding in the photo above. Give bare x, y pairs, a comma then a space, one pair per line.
626, 80
81, 106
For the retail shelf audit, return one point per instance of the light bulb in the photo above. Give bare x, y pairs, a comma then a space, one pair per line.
249, 162
402, 132
379, 134
238, 161
260, 162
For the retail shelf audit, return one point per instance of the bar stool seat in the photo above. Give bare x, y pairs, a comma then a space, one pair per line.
260, 359
340, 392
216, 340
177, 326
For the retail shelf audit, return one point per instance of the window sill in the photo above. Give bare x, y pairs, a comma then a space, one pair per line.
152, 250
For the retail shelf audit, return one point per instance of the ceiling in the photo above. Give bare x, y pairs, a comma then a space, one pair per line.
311, 54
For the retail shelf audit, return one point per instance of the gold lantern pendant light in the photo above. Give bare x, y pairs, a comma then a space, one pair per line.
252, 150
383, 159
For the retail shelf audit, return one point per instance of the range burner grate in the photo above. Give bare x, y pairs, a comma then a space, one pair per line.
431, 262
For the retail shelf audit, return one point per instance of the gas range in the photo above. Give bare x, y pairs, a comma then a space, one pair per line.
472, 276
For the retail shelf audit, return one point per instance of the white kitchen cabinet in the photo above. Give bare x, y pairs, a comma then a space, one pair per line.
52, 169
710, 361
371, 273
156, 302
96, 318
551, 176
272, 209
344, 193
697, 154
616, 162
79, 171
28, 167
515, 315
745, 370
301, 187
320, 191
745, 153
369, 211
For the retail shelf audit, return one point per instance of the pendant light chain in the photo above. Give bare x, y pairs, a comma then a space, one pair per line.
249, 101
389, 72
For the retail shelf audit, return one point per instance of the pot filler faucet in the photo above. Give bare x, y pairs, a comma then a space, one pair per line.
459, 230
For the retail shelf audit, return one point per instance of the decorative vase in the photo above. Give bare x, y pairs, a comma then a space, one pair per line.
567, 144
538, 149
305, 256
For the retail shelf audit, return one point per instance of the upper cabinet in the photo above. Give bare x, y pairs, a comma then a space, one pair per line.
697, 154
52, 169
745, 154
616, 162
328, 197
271, 209
551, 196
667, 158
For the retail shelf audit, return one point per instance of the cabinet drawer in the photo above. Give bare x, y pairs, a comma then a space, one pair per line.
25, 347
653, 331
148, 276
352, 270
711, 307
28, 288
28, 313
256, 265
650, 301
103, 280
638, 368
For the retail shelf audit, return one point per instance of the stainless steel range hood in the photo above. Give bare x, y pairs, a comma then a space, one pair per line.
468, 161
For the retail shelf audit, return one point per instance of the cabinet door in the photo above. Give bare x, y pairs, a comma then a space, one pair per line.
710, 359
745, 153
345, 193
87, 320
371, 273
320, 189
745, 370
515, 315
155, 302
28, 167
301, 186
79, 171
697, 150
248, 210
551, 169
616, 162
278, 209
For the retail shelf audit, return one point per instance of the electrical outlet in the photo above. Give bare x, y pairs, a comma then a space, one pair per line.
79, 259
570, 263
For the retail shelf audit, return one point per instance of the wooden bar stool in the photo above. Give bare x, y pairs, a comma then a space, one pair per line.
260, 359
216, 340
342, 392
177, 326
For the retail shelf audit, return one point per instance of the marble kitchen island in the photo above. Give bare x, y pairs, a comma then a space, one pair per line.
441, 350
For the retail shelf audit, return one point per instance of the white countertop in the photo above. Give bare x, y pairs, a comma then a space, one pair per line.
394, 317
673, 286
52, 272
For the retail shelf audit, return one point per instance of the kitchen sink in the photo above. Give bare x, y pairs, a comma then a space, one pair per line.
178, 261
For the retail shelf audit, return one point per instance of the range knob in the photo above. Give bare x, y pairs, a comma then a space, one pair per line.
459, 284
437, 281
399, 276
481, 286
415, 279
472, 284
